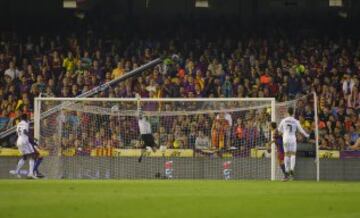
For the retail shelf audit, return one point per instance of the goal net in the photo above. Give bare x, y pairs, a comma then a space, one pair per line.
196, 138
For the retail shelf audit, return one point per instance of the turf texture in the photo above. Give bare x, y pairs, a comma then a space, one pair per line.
177, 198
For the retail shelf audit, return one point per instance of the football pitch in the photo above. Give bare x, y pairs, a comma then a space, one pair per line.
177, 198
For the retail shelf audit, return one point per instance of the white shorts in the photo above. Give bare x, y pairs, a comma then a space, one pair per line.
24, 146
290, 147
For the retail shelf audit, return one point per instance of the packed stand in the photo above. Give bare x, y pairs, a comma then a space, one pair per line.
279, 67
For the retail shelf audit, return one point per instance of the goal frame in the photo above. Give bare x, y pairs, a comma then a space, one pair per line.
272, 101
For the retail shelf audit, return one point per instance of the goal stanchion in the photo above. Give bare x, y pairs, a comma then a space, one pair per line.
273, 147
317, 159
99, 137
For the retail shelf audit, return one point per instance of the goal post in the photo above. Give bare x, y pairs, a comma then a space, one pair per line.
317, 149
105, 130
37, 117
273, 149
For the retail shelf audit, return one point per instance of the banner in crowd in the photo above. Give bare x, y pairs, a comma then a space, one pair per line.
167, 153
112, 152
68, 152
259, 153
349, 154
10, 152
329, 154
107, 152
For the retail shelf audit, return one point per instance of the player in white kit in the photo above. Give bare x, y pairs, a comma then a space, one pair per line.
289, 126
25, 147
146, 135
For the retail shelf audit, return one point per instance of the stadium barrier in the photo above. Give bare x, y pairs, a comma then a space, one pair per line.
187, 168
113, 152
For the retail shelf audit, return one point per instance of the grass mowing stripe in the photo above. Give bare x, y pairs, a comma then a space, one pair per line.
177, 198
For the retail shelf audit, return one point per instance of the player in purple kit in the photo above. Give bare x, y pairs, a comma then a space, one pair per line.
277, 139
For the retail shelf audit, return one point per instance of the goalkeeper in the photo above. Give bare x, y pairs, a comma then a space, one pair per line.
146, 135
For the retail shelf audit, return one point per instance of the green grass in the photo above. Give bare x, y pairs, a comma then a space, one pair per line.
177, 198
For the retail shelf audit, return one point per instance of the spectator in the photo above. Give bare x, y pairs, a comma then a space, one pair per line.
218, 132
356, 146
118, 71
202, 142
4, 119
69, 62
12, 71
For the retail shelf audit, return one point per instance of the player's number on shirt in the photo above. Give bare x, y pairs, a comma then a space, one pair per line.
20, 131
289, 127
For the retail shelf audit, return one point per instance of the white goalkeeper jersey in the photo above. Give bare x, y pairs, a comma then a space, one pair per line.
288, 126
144, 126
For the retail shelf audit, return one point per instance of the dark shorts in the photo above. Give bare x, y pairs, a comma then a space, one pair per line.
33, 155
148, 140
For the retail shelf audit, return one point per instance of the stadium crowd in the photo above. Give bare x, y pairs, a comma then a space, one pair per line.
217, 66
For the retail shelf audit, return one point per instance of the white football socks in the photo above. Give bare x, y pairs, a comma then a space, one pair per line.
20, 165
287, 163
292, 161
31, 166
